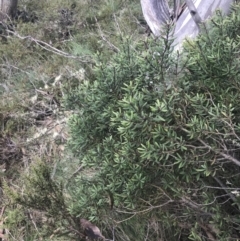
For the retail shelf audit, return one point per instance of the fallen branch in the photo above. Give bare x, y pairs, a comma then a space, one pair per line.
50, 48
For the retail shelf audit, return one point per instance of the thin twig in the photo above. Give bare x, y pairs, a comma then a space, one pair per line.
50, 48
227, 156
113, 47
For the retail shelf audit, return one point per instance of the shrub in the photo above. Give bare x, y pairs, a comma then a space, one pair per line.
152, 139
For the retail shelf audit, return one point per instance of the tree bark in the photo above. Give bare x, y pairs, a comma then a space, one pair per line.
8, 8
156, 14
186, 25
176, 8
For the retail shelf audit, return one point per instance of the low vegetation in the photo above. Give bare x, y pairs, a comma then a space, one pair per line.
100, 121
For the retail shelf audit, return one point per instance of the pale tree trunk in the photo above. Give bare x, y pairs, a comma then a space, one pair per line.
156, 14
8, 8
186, 25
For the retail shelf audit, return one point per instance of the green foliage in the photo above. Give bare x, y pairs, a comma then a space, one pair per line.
47, 53
43, 195
214, 56
126, 96
153, 138
156, 138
